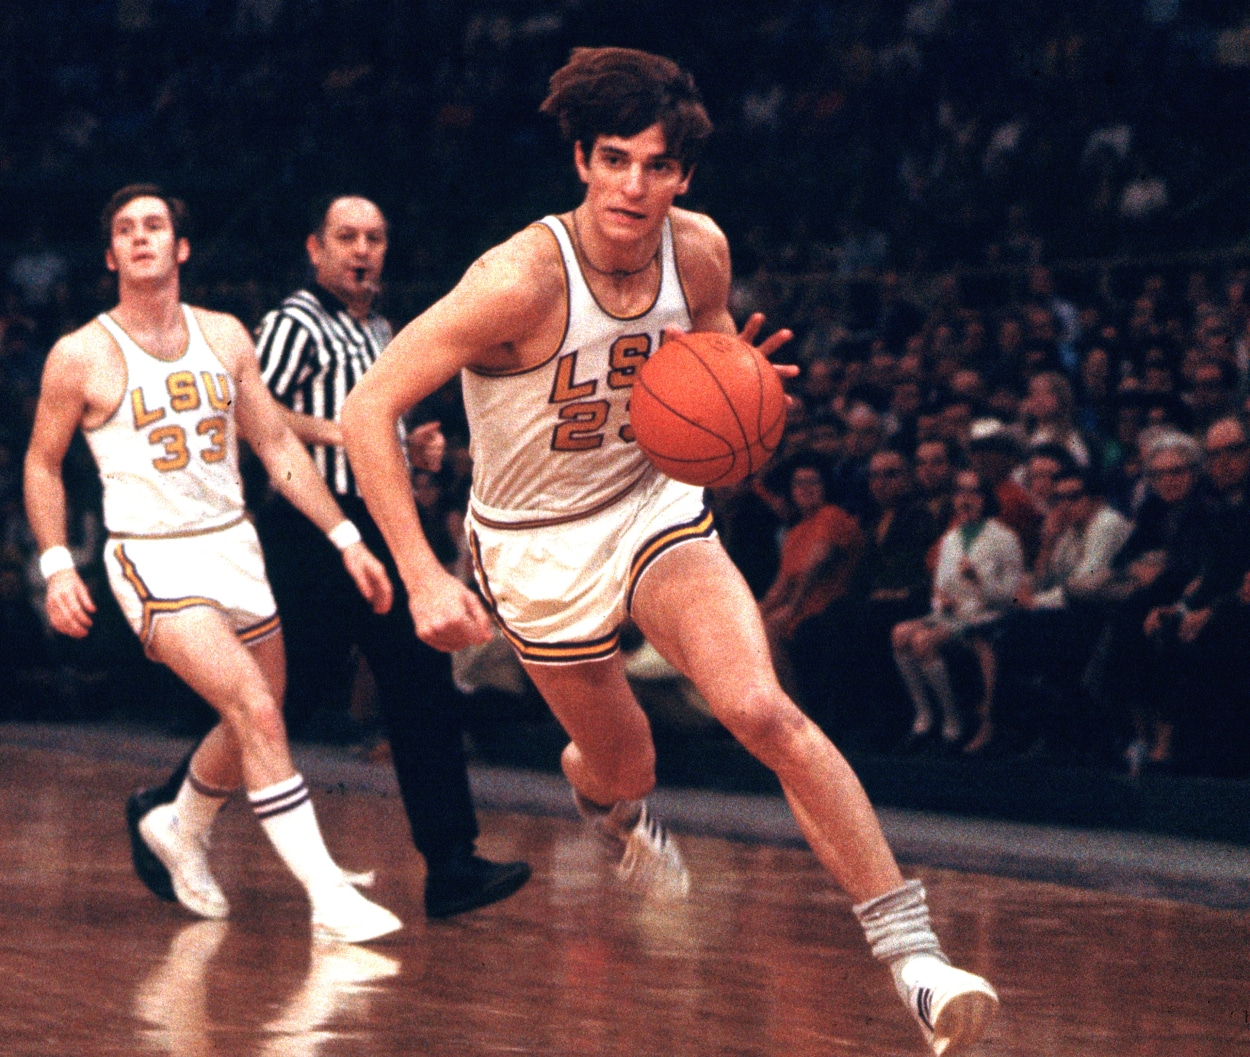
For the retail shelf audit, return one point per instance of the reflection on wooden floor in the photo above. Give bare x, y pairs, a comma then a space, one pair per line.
764, 959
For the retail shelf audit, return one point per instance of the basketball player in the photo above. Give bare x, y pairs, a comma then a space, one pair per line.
163, 392
572, 530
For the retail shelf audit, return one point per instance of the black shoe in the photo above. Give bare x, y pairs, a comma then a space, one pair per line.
469, 881
150, 869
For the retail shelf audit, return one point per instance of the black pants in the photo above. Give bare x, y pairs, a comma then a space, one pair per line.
323, 616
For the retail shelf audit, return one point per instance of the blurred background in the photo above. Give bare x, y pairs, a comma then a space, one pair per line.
995, 229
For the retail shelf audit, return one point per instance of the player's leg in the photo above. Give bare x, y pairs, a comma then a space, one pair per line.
610, 763
696, 609
610, 755
199, 794
244, 685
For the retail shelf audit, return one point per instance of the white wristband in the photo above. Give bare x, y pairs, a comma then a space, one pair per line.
55, 560
344, 534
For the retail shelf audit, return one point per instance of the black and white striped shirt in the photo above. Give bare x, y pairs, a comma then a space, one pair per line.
312, 352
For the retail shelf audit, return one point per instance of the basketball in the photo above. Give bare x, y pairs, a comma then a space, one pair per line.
707, 409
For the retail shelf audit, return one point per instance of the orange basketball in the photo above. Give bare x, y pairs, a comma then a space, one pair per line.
707, 409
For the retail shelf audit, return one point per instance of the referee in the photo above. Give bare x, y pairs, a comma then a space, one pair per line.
313, 348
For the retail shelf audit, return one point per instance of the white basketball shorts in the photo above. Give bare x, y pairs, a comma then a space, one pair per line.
223, 568
561, 592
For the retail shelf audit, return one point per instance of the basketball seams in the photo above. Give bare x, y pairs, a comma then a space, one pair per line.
684, 418
733, 410
736, 393
759, 413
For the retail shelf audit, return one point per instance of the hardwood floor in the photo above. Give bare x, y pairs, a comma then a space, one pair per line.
763, 959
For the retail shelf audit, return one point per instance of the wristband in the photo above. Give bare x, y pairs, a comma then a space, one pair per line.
344, 534
55, 560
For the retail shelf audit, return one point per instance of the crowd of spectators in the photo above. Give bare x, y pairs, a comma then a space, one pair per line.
1006, 236
1051, 561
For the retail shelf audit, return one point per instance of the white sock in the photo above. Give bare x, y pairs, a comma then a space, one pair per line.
615, 820
897, 926
286, 814
197, 805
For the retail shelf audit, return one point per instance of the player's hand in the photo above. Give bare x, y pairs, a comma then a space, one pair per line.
370, 577
69, 604
751, 330
426, 447
447, 615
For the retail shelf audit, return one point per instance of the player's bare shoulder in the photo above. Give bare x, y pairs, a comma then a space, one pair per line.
524, 272
83, 348
227, 337
85, 369
516, 292
702, 257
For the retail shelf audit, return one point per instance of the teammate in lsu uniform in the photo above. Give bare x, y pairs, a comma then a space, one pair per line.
573, 530
162, 392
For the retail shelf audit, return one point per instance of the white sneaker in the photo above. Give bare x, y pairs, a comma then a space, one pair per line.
343, 915
186, 858
651, 863
953, 1007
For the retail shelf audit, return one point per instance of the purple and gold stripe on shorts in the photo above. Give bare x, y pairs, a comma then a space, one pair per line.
154, 607
541, 652
263, 630
702, 527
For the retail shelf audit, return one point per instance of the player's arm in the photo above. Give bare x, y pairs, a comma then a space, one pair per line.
62, 405
488, 312
261, 423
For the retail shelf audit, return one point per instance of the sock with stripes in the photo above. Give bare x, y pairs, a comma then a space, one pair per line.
286, 814
197, 805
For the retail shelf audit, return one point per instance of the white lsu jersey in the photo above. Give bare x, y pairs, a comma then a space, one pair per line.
552, 443
168, 456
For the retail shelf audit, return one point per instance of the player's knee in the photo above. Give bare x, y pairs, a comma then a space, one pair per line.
623, 772
766, 722
259, 712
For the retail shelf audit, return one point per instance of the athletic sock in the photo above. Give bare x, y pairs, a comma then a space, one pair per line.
897, 925
197, 804
285, 812
613, 820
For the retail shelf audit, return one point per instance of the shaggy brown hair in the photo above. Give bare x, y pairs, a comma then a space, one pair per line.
621, 92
